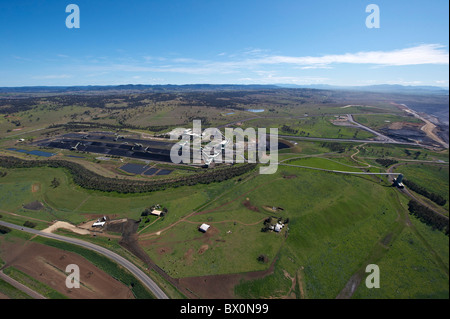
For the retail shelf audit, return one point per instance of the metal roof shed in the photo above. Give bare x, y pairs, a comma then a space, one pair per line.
204, 227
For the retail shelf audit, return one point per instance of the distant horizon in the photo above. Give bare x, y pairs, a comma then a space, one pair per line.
281, 85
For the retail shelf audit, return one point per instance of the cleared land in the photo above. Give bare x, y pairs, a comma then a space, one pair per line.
47, 265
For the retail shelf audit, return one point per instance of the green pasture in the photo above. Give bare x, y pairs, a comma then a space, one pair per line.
380, 121
317, 126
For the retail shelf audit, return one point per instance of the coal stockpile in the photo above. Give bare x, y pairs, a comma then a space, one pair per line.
61, 145
281, 145
152, 156
118, 152
96, 149
111, 144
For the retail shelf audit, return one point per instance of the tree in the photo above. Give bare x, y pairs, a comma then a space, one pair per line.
55, 182
29, 224
263, 258
4, 229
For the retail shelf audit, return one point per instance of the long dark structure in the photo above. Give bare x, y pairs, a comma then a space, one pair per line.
111, 144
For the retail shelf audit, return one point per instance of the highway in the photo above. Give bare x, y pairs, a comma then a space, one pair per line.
342, 140
138, 273
368, 129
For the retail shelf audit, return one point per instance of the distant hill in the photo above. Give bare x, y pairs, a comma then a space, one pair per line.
381, 88
134, 88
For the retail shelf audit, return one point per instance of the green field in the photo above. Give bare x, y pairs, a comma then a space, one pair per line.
410, 270
326, 163
434, 178
328, 238
383, 120
317, 126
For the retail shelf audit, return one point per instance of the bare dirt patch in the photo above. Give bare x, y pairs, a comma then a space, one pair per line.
36, 205
290, 294
202, 249
66, 225
164, 250
273, 209
35, 187
248, 205
47, 265
300, 283
401, 125
220, 286
97, 216
188, 256
2, 296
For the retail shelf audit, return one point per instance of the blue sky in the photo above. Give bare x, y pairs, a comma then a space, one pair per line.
212, 41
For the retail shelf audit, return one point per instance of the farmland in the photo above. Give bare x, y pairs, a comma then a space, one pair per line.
334, 223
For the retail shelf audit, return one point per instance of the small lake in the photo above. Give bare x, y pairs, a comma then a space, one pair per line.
255, 110
134, 168
36, 152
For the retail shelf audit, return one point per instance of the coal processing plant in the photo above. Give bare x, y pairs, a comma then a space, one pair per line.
111, 144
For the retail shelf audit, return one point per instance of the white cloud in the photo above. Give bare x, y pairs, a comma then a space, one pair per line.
52, 76
259, 66
422, 54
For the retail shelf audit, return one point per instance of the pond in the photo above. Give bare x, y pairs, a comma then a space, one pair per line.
35, 152
134, 168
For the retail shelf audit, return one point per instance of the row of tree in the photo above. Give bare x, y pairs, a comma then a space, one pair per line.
428, 216
335, 147
386, 161
438, 199
89, 125
90, 180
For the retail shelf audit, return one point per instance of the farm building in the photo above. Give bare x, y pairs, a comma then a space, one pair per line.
204, 227
278, 227
156, 212
100, 222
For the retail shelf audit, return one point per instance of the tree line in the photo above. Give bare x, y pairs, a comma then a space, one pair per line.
90, 180
438, 199
335, 147
386, 161
428, 216
89, 125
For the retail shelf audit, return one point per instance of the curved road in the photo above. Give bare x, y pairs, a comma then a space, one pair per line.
149, 283
341, 172
410, 195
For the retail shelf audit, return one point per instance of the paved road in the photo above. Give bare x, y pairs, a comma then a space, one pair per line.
21, 287
334, 171
149, 283
368, 129
343, 140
